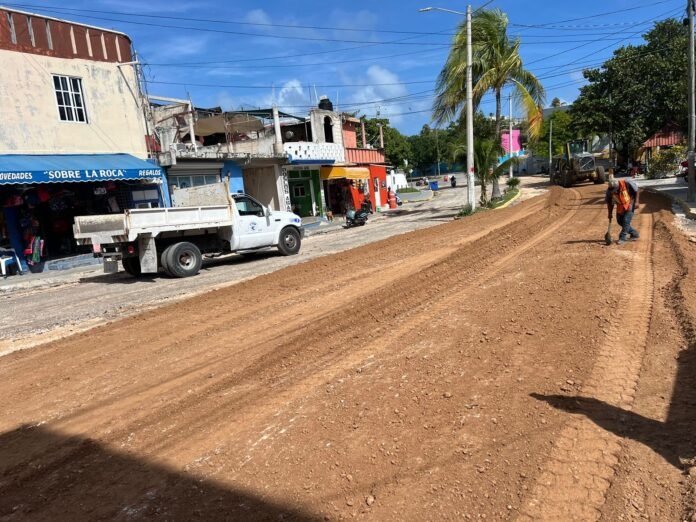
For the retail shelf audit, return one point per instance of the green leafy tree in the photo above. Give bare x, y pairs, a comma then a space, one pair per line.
638, 91
562, 133
496, 64
486, 167
396, 146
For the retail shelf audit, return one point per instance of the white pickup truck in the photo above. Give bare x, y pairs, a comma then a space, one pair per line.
176, 239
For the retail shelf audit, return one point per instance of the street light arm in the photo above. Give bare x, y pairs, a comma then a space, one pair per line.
443, 9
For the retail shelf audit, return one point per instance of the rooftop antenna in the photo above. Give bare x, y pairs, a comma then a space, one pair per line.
316, 96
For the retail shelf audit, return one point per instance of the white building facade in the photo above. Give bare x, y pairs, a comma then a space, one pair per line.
73, 132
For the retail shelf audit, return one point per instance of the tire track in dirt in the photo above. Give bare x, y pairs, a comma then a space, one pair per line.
320, 366
576, 478
450, 233
279, 368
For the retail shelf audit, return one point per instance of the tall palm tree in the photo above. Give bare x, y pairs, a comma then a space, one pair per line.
496, 64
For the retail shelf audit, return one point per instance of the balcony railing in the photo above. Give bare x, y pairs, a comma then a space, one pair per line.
300, 151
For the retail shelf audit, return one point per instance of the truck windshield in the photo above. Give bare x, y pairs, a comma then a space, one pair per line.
247, 206
577, 147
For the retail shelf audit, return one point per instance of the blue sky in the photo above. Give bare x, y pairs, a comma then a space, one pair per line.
379, 57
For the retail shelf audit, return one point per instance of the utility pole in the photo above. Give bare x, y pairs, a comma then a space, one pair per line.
550, 146
437, 148
612, 163
470, 187
691, 192
510, 139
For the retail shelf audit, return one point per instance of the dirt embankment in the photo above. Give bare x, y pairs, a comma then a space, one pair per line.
504, 366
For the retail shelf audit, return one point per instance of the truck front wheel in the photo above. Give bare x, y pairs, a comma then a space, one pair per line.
289, 241
132, 266
183, 259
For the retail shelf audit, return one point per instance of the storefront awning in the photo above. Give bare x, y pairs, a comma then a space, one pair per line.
345, 172
64, 168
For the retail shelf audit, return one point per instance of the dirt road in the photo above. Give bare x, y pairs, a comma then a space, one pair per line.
73, 302
508, 366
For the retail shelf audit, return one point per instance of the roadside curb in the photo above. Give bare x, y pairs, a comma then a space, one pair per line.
512, 200
689, 212
423, 195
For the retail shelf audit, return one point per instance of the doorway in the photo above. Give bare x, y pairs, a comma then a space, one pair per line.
301, 197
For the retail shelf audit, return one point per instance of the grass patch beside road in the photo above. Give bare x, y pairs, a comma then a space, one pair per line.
509, 196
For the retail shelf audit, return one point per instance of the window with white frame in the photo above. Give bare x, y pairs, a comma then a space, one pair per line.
70, 98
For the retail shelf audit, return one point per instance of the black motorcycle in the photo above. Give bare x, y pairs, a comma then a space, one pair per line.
453, 181
358, 217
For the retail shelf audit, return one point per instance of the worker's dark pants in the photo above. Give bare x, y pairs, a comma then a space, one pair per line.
626, 229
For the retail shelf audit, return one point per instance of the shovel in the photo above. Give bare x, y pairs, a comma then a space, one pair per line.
607, 236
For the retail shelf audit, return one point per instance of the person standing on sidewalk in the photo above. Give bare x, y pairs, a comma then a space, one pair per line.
625, 196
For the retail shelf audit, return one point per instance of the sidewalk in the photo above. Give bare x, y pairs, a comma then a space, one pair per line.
674, 188
30, 281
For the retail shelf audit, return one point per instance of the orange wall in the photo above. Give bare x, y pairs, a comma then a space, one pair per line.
350, 136
378, 172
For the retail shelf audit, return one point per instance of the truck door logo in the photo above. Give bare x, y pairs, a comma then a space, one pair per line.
253, 226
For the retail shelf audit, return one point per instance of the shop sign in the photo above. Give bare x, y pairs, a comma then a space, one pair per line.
77, 175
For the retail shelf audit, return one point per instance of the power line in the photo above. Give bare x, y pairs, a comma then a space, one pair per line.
329, 86
650, 20
634, 8
160, 16
283, 66
599, 50
71, 10
402, 41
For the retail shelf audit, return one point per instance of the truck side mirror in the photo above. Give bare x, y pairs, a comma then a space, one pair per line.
267, 211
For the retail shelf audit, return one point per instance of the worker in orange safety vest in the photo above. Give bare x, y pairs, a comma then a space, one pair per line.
624, 194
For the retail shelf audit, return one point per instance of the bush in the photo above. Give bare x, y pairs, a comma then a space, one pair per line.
406, 190
513, 183
466, 211
666, 162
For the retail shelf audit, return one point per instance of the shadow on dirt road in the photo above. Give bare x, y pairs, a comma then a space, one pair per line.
77, 478
674, 438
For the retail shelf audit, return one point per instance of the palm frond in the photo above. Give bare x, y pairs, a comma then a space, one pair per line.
496, 61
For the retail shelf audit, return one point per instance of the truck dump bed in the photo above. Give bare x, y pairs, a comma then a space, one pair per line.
127, 226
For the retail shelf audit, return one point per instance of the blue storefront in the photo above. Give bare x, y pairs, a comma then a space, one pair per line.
41, 194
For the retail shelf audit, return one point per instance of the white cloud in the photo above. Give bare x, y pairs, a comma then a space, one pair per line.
382, 84
257, 16
173, 49
291, 95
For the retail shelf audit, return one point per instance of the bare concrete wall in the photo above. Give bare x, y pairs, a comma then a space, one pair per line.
30, 120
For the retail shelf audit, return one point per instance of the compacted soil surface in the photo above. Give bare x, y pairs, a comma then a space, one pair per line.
506, 366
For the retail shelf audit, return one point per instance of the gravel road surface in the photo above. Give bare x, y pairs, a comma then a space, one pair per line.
508, 366
72, 302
